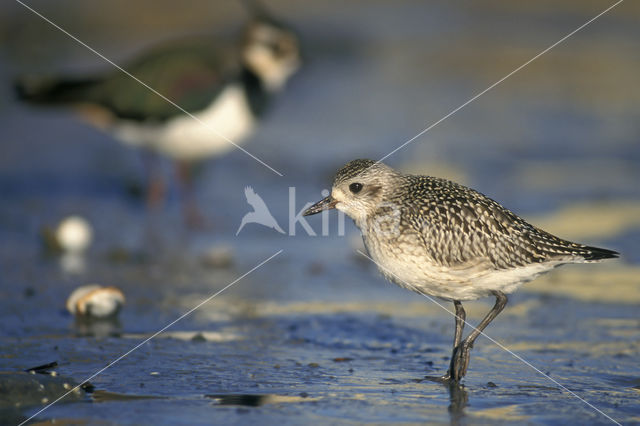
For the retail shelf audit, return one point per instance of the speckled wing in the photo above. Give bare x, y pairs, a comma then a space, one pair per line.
459, 226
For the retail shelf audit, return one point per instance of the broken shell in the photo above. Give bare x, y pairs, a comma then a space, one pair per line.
95, 301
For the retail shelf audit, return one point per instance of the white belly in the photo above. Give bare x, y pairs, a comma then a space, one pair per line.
187, 138
411, 269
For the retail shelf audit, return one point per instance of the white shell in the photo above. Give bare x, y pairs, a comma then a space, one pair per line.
74, 234
95, 301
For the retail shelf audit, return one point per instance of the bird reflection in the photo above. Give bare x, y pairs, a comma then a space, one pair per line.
458, 398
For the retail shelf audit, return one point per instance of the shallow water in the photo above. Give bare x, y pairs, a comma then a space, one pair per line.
315, 335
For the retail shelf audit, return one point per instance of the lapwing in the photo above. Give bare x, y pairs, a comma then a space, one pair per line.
227, 93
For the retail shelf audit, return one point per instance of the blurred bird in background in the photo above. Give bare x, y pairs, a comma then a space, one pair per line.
224, 90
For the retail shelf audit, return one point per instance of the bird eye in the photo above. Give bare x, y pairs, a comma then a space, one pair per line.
275, 48
355, 187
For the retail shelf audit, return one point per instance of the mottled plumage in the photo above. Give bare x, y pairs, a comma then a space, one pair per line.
431, 229
442, 239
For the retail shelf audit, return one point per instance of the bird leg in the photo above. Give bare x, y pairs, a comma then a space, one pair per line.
461, 316
156, 188
460, 361
190, 211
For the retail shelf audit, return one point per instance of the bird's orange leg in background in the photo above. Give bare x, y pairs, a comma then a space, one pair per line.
156, 185
192, 216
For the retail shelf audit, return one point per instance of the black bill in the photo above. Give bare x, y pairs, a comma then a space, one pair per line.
324, 204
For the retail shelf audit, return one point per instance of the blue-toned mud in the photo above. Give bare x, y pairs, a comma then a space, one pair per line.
316, 335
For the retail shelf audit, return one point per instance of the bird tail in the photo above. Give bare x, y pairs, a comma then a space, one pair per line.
594, 254
48, 91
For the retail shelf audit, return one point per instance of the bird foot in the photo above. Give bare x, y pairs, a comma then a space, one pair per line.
445, 379
459, 362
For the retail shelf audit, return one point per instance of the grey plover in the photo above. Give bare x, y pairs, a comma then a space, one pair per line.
442, 239
224, 87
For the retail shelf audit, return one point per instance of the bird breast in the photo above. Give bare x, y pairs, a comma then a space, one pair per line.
204, 134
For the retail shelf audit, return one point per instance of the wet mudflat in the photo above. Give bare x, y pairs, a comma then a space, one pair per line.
352, 354
316, 335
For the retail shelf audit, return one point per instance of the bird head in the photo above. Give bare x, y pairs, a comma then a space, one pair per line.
270, 49
358, 190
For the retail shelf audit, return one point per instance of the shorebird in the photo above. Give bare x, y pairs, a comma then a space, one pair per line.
442, 239
225, 89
